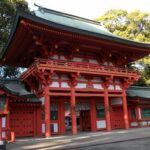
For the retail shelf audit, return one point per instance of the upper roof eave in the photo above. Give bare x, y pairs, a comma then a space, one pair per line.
23, 15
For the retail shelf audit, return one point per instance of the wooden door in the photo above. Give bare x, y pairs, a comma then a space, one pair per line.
22, 122
117, 121
85, 122
25, 120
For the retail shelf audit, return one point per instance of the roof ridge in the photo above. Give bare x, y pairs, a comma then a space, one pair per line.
66, 15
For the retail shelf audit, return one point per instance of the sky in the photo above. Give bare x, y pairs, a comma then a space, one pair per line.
91, 9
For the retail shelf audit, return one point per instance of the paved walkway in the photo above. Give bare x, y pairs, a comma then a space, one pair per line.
82, 140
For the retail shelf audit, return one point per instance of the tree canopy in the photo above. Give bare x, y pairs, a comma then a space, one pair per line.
7, 13
134, 26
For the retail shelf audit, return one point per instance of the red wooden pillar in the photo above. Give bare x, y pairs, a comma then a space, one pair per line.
39, 121
73, 111
7, 119
107, 110
138, 114
47, 112
0, 127
125, 109
35, 120
61, 117
93, 115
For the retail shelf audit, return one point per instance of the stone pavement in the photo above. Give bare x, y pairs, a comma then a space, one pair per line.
82, 141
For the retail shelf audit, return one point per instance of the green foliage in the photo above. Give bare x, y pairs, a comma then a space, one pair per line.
7, 10
146, 74
7, 13
9, 72
134, 26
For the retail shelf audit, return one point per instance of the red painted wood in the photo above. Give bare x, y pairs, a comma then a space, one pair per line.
93, 115
107, 110
65, 66
117, 120
0, 127
22, 121
73, 111
125, 109
47, 112
54, 35
61, 117
85, 120
39, 121
138, 114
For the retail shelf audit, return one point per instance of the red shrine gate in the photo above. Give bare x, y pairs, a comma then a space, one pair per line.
73, 89
75, 64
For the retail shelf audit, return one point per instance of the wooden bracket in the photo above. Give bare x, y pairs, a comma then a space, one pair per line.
106, 81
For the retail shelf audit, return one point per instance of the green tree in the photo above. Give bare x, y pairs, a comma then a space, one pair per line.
134, 26
7, 13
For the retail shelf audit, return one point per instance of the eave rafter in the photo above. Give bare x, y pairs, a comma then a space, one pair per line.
122, 53
70, 36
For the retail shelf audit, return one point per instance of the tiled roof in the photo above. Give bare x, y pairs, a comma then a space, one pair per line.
137, 91
15, 87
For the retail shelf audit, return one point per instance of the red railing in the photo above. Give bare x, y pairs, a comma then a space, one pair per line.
66, 66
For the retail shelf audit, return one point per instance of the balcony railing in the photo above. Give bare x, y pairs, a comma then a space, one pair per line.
78, 67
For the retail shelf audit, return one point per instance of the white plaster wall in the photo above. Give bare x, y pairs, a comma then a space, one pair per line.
3, 122
62, 57
97, 86
134, 124
116, 101
54, 84
55, 127
55, 56
93, 61
3, 134
43, 127
101, 124
105, 63
42, 100
77, 59
111, 87
65, 85
118, 87
81, 85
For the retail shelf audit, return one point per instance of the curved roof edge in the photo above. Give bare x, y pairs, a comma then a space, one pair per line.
138, 91
15, 87
104, 36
